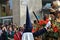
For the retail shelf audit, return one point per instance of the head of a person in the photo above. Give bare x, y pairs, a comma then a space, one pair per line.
10, 28
24, 25
52, 15
35, 21
15, 30
55, 4
46, 16
4, 28
58, 14
21, 29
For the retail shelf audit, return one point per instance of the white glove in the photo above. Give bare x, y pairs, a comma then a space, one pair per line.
48, 25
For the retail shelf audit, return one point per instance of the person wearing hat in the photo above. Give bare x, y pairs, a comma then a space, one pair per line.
58, 15
58, 21
55, 18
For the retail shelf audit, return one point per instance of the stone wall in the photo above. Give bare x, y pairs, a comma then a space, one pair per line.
16, 12
33, 5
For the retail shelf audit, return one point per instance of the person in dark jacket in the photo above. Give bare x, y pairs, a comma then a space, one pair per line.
10, 33
4, 35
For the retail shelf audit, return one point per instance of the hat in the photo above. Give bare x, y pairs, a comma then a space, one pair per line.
56, 3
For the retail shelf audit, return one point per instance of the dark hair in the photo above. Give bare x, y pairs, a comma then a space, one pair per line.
19, 28
44, 17
24, 25
52, 13
35, 21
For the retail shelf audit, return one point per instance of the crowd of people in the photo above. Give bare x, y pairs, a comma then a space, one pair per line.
10, 32
14, 32
48, 27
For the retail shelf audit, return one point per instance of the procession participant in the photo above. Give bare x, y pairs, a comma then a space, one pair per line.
54, 29
58, 21
54, 20
54, 23
36, 26
46, 24
43, 24
28, 35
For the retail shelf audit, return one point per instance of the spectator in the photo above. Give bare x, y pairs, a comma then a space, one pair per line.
15, 30
18, 35
10, 33
4, 34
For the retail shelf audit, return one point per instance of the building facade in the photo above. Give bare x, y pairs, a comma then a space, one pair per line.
33, 5
5, 12
17, 10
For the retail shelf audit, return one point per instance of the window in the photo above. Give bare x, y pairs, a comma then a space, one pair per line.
6, 8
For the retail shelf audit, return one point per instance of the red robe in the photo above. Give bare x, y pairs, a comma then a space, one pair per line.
41, 22
17, 36
55, 29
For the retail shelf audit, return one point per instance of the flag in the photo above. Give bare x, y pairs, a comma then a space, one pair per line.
28, 27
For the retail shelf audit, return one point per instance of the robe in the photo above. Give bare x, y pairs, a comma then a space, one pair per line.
27, 36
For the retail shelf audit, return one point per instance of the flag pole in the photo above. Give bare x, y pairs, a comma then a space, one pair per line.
35, 16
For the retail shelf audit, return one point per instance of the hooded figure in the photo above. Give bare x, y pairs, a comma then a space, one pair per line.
27, 35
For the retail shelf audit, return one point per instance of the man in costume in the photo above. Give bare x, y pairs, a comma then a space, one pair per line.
28, 35
54, 11
55, 6
46, 23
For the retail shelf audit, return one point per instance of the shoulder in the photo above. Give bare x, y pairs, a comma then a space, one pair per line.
15, 35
